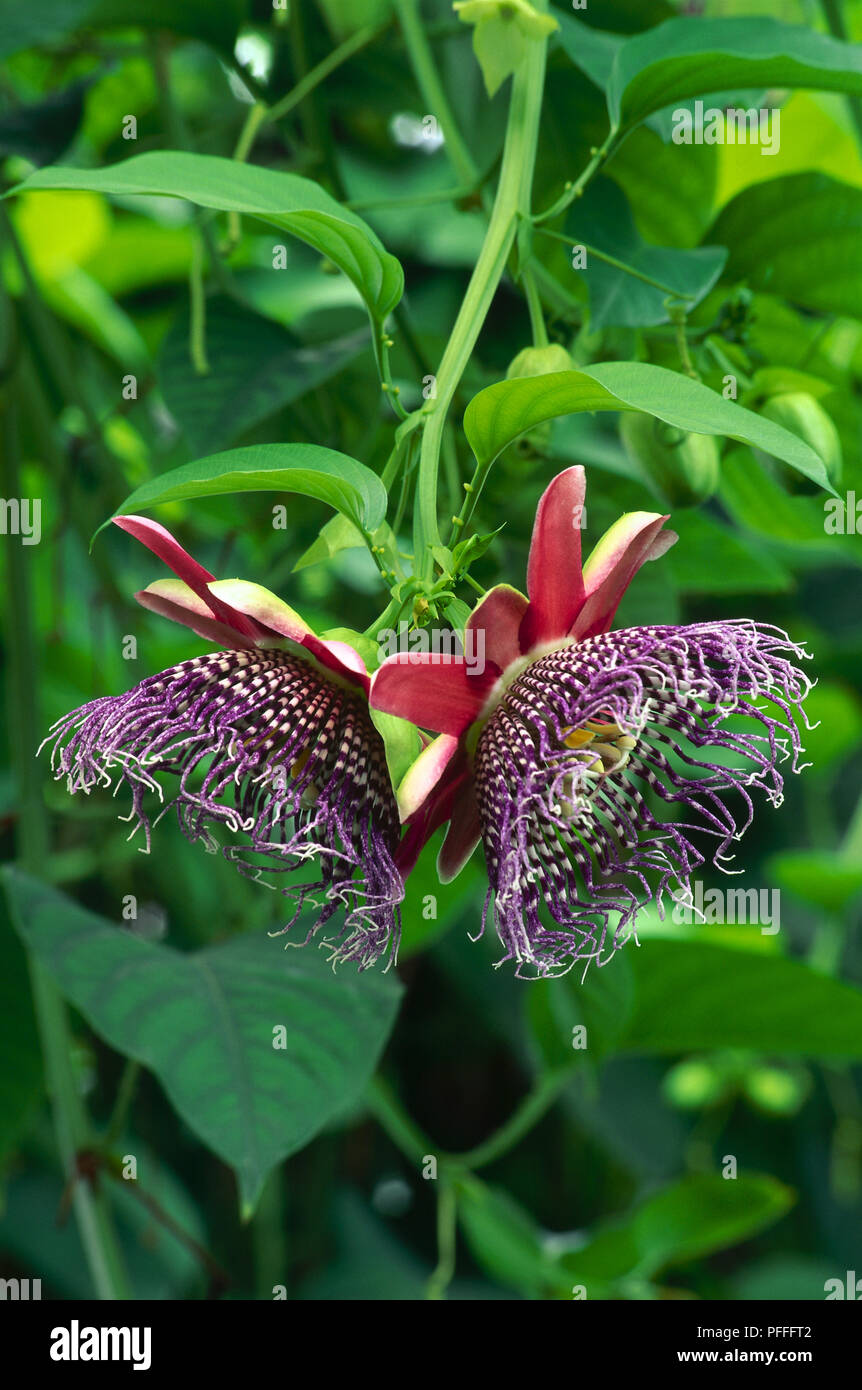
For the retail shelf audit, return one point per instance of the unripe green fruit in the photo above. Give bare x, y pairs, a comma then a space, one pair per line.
538, 361
683, 468
804, 416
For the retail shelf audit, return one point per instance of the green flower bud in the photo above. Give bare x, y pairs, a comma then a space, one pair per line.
775, 1090
804, 416
694, 1084
683, 468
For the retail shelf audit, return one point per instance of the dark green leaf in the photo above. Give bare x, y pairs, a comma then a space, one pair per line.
205, 1024
692, 995
603, 219
691, 1218
797, 236
256, 367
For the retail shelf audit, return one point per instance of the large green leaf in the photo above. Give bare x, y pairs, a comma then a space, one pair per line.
825, 878
685, 58
308, 469
595, 51
693, 1217
205, 1024
603, 219
256, 368
693, 995
502, 412
293, 204
798, 237
687, 1220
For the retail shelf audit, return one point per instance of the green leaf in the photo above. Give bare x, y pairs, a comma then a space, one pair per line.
594, 51
797, 237
293, 204
735, 565
32, 27
687, 1220
205, 1024
724, 997
601, 1004
757, 502
502, 412
685, 58
256, 367
308, 469
335, 535
506, 1242
818, 876
617, 296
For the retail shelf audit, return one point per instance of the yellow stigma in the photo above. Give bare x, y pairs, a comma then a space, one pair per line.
606, 746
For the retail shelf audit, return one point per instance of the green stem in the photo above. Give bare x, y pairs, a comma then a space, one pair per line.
512, 201
416, 1146
447, 1222
433, 91
534, 304
122, 1104
677, 314
197, 312
574, 190
394, 1121
322, 70
533, 1108
71, 1124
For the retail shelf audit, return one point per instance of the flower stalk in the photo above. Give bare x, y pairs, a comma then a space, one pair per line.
511, 204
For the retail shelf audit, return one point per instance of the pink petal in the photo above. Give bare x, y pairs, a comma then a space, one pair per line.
338, 657
632, 540
498, 615
554, 580
432, 691
272, 617
423, 775
463, 835
265, 610
162, 543
173, 599
433, 812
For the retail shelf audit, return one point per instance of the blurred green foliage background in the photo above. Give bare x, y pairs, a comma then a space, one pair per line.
705, 1042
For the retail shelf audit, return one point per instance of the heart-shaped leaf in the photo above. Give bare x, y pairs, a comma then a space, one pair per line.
257, 1047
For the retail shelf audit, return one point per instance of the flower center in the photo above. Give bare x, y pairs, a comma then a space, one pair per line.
604, 746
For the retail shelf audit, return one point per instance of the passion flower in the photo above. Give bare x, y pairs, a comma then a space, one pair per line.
269, 738
593, 765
